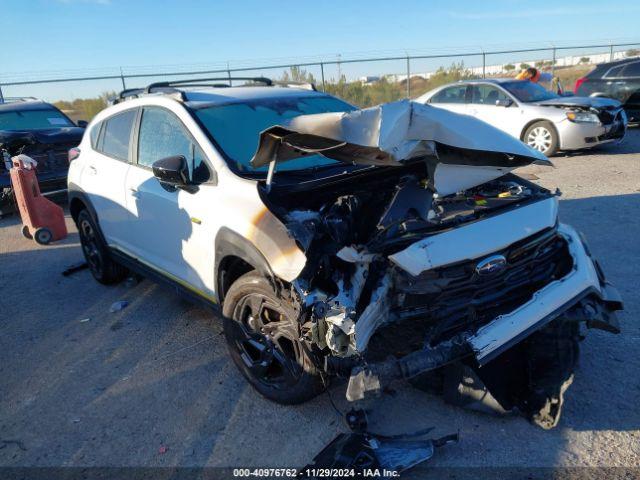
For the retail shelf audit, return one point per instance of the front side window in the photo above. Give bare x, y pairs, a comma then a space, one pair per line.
117, 135
33, 119
163, 135
450, 95
486, 95
236, 127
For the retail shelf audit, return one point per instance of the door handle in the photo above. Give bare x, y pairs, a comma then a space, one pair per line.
134, 193
92, 170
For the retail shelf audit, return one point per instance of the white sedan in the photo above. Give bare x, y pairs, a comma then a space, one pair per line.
540, 118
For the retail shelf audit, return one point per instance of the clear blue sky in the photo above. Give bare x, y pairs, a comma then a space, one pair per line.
95, 36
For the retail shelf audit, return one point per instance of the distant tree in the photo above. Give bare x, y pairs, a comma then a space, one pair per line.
584, 60
540, 63
509, 67
297, 74
632, 52
524, 66
85, 108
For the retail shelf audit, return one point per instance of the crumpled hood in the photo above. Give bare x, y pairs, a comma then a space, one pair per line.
582, 102
460, 151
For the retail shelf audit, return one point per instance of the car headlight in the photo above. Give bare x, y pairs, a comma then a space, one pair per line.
583, 117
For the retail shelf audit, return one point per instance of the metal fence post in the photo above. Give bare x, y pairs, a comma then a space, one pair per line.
610, 53
124, 86
322, 75
229, 74
553, 62
484, 65
408, 77
1, 95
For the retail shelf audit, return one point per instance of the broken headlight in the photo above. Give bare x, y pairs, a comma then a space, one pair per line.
583, 117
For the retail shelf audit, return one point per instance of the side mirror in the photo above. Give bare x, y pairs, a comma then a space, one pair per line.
82, 123
504, 102
172, 171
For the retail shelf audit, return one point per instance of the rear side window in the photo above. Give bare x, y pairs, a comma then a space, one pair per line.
117, 135
94, 134
614, 72
631, 70
450, 95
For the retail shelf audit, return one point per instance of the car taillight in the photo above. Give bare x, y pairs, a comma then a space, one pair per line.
579, 82
73, 154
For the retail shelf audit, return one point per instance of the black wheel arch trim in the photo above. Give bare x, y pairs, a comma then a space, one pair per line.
76, 193
230, 243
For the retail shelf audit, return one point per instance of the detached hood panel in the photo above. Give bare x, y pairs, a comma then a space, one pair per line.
460, 151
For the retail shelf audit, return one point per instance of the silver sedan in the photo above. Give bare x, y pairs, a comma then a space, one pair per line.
543, 120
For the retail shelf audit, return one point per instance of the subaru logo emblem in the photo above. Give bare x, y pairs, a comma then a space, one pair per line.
491, 265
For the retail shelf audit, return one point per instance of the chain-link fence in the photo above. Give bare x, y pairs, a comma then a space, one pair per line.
363, 81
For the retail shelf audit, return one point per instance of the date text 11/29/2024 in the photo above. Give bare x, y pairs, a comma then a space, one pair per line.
315, 473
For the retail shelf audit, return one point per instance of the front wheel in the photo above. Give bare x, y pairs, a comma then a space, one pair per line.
543, 137
263, 337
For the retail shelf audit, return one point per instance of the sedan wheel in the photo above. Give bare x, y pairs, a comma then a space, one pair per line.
542, 137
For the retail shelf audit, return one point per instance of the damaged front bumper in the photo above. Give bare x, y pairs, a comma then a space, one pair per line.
583, 294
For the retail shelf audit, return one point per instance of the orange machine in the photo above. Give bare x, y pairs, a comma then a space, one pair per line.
42, 219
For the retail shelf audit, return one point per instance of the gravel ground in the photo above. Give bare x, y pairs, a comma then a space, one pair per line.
152, 385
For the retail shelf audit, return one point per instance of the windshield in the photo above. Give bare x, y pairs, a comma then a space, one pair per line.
33, 120
236, 127
527, 91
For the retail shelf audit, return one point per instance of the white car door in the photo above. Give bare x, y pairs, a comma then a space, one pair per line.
451, 98
104, 173
506, 115
167, 233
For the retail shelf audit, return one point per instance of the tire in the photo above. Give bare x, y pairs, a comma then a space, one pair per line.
26, 233
42, 236
543, 137
101, 265
262, 334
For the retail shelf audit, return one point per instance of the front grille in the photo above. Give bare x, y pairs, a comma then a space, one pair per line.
50, 161
456, 298
607, 117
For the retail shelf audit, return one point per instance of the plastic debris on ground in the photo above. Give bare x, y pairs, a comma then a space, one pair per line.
364, 451
76, 267
119, 305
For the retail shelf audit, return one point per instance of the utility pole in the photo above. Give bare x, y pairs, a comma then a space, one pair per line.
339, 68
408, 78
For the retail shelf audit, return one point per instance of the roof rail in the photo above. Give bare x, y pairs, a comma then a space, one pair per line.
205, 82
17, 99
304, 85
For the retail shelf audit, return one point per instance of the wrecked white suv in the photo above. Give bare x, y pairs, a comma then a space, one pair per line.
379, 244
